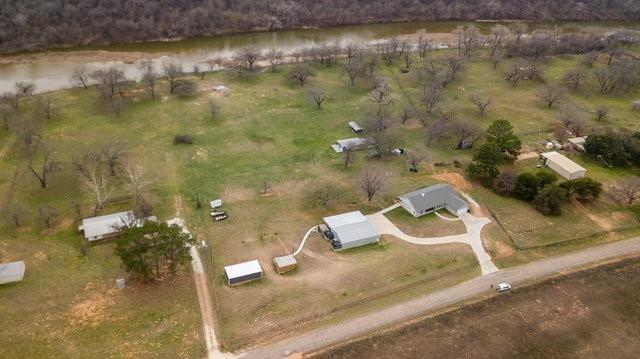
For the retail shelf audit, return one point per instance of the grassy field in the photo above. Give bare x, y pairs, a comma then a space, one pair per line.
267, 132
593, 313
426, 226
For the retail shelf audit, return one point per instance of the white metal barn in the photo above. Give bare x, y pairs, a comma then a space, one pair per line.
11, 272
110, 225
563, 166
243, 272
433, 198
351, 230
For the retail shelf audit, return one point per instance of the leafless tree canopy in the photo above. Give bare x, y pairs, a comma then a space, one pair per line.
249, 56
468, 40
381, 92
481, 102
149, 78
466, 133
43, 162
80, 77
25, 88
550, 95
627, 191
574, 79
45, 107
371, 182
300, 73
348, 157
317, 96
48, 215
135, 178
172, 71
497, 38
15, 214
274, 57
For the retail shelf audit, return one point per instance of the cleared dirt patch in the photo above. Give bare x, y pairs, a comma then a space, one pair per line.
592, 313
453, 178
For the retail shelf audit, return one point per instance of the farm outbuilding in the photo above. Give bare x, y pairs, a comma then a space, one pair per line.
433, 198
350, 143
12, 272
353, 125
285, 264
243, 272
110, 225
562, 165
349, 230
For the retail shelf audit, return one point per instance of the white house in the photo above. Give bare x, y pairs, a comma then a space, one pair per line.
562, 165
433, 198
110, 225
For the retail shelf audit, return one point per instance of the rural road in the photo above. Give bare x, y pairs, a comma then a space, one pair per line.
403, 312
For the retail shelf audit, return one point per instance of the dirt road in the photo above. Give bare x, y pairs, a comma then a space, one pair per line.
402, 312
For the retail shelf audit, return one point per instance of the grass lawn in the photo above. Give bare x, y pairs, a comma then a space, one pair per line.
428, 225
267, 136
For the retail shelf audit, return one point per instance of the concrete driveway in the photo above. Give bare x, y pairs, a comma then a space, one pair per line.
472, 238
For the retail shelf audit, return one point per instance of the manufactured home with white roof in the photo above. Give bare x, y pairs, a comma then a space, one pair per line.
562, 165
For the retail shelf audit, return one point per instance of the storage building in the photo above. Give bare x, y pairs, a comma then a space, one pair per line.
433, 198
350, 143
110, 225
353, 125
562, 165
349, 230
243, 272
11, 272
285, 264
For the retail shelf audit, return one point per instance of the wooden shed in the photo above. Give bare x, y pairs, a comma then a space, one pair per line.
285, 264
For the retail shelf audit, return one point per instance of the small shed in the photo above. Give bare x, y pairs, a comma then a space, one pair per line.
636, 104
353, 125
285, 264
220, 89
351, 143
243, 272
577, 143
12, 272
562, 165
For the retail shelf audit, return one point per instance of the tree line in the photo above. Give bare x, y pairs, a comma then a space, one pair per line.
45, 24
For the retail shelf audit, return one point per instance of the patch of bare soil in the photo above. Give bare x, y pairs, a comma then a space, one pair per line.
232, 194
453, 178
598, 219
79, 57
90, 307
592, 313
502, 250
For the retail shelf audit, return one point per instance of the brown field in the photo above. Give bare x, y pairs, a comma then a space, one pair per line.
592, 313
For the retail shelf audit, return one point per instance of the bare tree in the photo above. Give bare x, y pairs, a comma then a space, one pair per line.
172, 71
381, 92
15, 213
496, 59
590, 58
601, 112
354, 68
377, 121
348, 157
606, 78
317, 96
135, 178
213, 109
24, 88
12, 99
518, 29
198, 72
265, 186
300, 73
48, 215
249, 55
574, 78
97, 183
415, 158
7, 116
406, 113
436, 132
149, 77
274, 57
446, 113
408, 58
497, 38
80, 77
43, 162
424, 45
468, 40
111, 83
371, 182
431, 95
28, 130
113, 153
551, 94
627, 191
466, 133
45, 107
480, 102
568, 114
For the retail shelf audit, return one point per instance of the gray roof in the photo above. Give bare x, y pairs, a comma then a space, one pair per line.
434, 196
351, 227
107, 224
285, 261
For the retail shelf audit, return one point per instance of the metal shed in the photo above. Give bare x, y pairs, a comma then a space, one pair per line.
285, 264
351, 230
243, 272
353, 125
563, 166
12, 272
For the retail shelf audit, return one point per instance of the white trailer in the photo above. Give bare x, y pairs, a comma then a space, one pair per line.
563, 166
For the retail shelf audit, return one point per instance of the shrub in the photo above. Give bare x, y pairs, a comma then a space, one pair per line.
505, 183
549, 200
325, 195
185, 88
583, 189
528, 184
182, 139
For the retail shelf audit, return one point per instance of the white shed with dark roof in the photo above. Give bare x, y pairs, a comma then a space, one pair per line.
433, 198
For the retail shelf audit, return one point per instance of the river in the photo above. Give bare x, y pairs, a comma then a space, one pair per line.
51, 70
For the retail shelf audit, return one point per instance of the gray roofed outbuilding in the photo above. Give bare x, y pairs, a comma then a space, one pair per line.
12, 272
433, 198
352, 229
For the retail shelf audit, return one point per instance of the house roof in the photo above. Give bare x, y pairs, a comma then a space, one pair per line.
351, 227
563, 162
243, 269
107, 224
433, 196
12, 269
